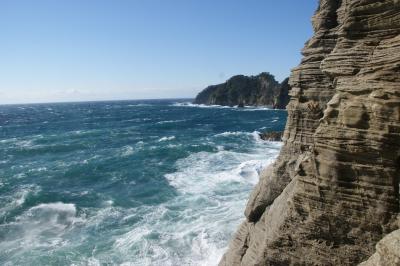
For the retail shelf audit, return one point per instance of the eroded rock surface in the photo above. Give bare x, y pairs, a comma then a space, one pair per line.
333, 192
387, 251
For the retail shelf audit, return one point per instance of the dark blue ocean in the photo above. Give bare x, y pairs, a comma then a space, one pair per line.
160, 182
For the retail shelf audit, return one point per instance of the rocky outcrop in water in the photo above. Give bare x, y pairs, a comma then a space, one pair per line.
240, 90
333, 192
271, 136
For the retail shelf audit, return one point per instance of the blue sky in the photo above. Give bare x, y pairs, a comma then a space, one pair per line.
70, 50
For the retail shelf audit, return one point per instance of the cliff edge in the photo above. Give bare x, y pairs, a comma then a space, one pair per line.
260, 90
333, 192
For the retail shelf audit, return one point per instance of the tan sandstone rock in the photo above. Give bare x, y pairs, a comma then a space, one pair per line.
387, 252
333, 192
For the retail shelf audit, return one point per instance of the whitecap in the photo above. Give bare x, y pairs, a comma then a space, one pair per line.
42, 226
57, 207
108, 203
133, 120
8, 140
170, 121
39, 169
139, 105
18, 198
166, 138
230, 133
236, 108
130, 238
24, 143
174, 145
189, 104
85, 192
127, 151
255, 108
255, 134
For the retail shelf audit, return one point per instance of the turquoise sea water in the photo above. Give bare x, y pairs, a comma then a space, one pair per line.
130, 182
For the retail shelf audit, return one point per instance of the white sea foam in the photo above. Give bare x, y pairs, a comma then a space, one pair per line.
246, 108
174, 145
8, 140
166, 138
25, 143
255, 108
211, 169
39, 169
139, 105
189, 104
18, 198
57, 207
127, 151
170, 121
255, 134
194, 227
42, 226
229, 133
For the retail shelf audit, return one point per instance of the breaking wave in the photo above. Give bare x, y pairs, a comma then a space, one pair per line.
236, 108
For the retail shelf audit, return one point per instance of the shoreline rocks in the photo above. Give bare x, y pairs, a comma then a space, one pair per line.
271, 136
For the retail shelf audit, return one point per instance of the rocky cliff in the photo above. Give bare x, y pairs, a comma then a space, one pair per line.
260, 90
333, 192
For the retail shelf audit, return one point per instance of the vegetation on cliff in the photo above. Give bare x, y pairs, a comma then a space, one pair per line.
260, 90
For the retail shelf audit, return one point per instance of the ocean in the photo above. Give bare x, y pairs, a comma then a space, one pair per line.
155, 182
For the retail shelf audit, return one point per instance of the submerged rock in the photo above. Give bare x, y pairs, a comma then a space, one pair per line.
333, 192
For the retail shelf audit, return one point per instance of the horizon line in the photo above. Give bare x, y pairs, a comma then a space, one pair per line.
94, 101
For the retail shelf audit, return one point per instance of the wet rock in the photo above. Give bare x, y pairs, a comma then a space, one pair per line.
272, 136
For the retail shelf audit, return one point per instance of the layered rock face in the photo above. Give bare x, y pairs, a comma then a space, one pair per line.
333, 192
260, 90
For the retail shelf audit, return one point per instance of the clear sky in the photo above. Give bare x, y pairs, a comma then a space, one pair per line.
70, 50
